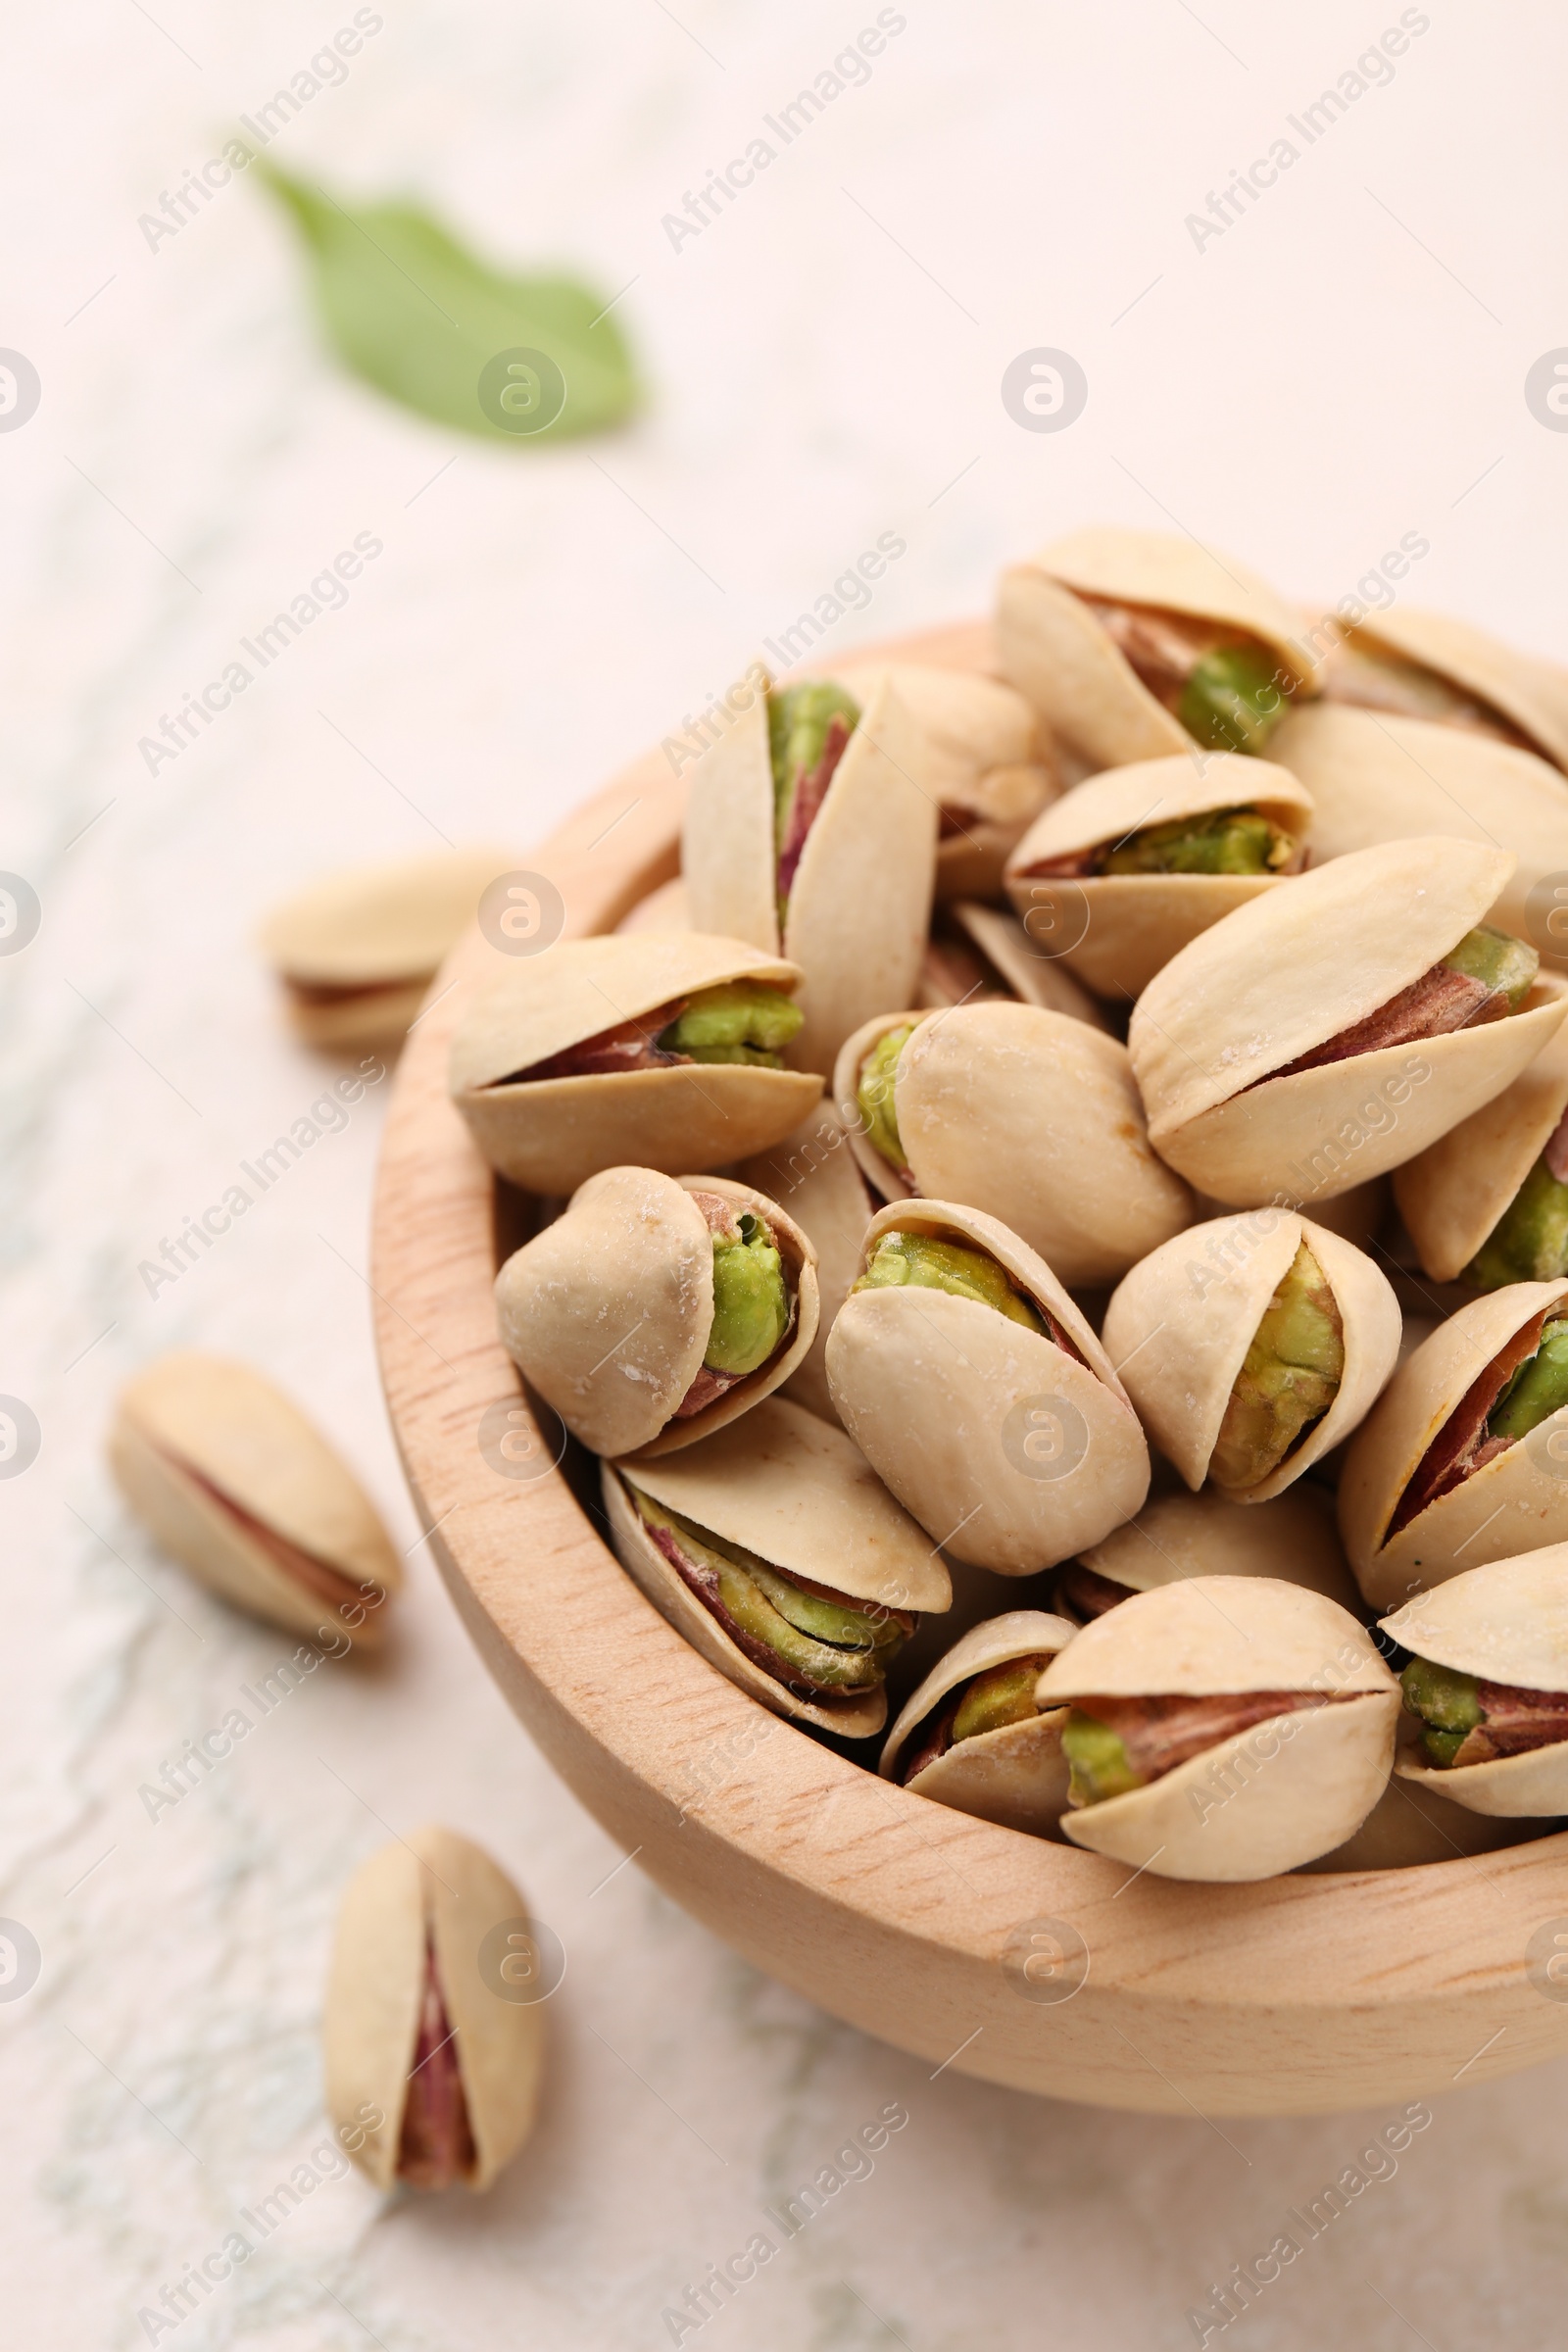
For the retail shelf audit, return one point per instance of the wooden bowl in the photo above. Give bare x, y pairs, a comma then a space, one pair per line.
1026, 1963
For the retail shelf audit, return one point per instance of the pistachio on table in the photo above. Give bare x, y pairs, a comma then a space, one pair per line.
814, 1172
413, 2035
1142, 858
1324, 1033
812, 830
978, 954
1029, 1116
1132, 646
1489, 1200
972, 1735
991, 765
655, 1310
979, 1392
1487, 1684
1464, 1459
357, 951
774, 1551
239, 1486
1177, 1535
1223, 1728
1251, 1347
654, 1049
1427, 665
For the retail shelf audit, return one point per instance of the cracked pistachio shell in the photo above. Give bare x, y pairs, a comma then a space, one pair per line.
1453, 1195
357, 951
1375, 776
439, 1892
991, 764
607, 1312
816, 1172
1131, 924
1516, 1503
861, 903
663, 910
1033, 1118
1054, 648
943, 1395
1000, 942
239, 1486
1015, 1776
1287, 972
1506, 1622
1178, 1325
550, 1135
1176, 1536
1269, 1798
1522, 688
792, 1490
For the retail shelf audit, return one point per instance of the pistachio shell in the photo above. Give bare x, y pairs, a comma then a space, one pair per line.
1506, 1622
1512, 683
1177, 1536
191, 1424
1511, 1504
550, 1135
1179, 1326
860, 902
1033, 978
936, 1392
663, 910
1015, 1776
434, 1890
1207, 1634
814, 1172
1137, 923
608, 1311
1411, 1825
1453, 1195
1287, 972
1033, 1118
1053, 648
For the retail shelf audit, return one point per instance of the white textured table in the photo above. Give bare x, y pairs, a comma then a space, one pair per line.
1339, 366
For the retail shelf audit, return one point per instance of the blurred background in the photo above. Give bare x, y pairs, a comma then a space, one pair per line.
1304, 374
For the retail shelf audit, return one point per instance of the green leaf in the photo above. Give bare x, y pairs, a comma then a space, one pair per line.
437, 329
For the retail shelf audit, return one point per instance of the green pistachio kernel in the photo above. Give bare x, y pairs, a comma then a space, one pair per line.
875, 1095
750, 1305
1232, 841
1500, 960
738, 1021
1530, 1240
797, 722
1232, 699
1445, 1703
1537, 1390
934, 1265
1002, 1694
1099, 1760
1289, 1378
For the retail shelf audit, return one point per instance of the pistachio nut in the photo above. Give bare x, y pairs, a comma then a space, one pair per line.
1142, 859
1376, 779
972, 1735
775, 1552
1177, 1535
356, 952
979, 954
1324, 1033
1251, 1347
1487, 1684
979, 1392
235, 1483
1489, 1200
1412, 1827
1465, 1458
992, 766
1223, 1728
1134, 646
413, 2034
657, 1308
663, 909
1410, 665
814, 1172
812, 830
1032, 1117
659, 1050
